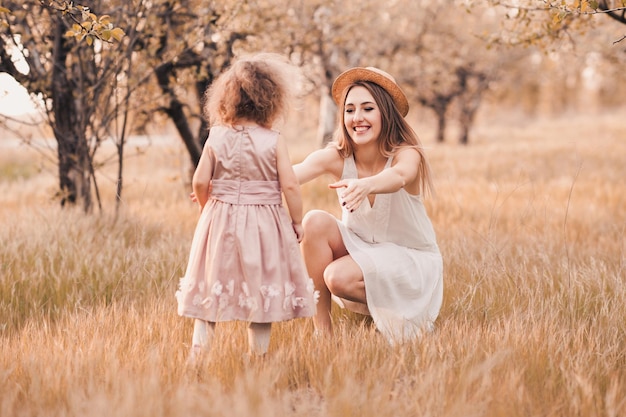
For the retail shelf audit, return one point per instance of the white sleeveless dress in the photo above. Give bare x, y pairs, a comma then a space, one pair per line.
394, 244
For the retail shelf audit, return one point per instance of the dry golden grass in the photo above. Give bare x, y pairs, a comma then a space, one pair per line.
531, 221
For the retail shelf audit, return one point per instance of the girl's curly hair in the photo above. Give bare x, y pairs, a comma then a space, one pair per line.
257, 88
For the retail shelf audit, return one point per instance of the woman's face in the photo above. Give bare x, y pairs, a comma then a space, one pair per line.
362, 117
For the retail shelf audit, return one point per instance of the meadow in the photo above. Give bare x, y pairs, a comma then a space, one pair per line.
530, 219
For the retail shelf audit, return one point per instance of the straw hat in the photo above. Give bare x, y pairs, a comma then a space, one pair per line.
375, 75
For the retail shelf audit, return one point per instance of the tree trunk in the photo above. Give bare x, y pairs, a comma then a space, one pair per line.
328, 115
439, 104
176, 113
203, 129
441, 124
476, 84
72, 149
466, 120
464, 138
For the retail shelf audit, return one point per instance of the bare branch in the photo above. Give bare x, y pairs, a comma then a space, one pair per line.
613, 13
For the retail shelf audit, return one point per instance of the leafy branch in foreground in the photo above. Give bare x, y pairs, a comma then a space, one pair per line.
559, 16
94, 27
563, 9
88, 26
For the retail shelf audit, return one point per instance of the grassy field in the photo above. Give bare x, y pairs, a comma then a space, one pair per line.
530, 219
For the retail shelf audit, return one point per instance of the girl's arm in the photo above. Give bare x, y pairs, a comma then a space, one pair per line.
201, 181
402, 174
289, 186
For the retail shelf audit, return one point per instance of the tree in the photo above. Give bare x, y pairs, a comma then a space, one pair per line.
88, 89
74, 79
443, 59
172, 48
186, 44
94, 91
557, 31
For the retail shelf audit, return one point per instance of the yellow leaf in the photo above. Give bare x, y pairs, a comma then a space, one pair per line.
118, 34
4, 10
584, 6
89, 40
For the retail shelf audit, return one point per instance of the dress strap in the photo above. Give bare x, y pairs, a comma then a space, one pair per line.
349, 168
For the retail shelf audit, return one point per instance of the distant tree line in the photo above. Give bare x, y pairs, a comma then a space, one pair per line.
107, 69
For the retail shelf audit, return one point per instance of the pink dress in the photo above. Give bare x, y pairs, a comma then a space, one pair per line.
245, 261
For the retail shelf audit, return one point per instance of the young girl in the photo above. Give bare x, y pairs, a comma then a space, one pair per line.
245, 263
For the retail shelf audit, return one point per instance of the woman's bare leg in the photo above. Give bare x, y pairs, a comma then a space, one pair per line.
322, 244
344, 278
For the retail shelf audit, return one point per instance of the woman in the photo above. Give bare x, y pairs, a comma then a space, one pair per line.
382, 257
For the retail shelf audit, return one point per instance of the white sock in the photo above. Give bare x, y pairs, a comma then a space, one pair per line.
259, 337
203, 332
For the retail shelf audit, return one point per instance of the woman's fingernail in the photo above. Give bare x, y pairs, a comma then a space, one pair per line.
343, 204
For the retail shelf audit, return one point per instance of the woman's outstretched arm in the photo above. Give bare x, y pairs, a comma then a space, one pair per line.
317, 163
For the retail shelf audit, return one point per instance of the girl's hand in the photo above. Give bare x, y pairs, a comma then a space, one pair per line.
299, 230
194, 199
356, 190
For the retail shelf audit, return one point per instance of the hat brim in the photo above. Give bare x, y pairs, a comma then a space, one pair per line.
352, 75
